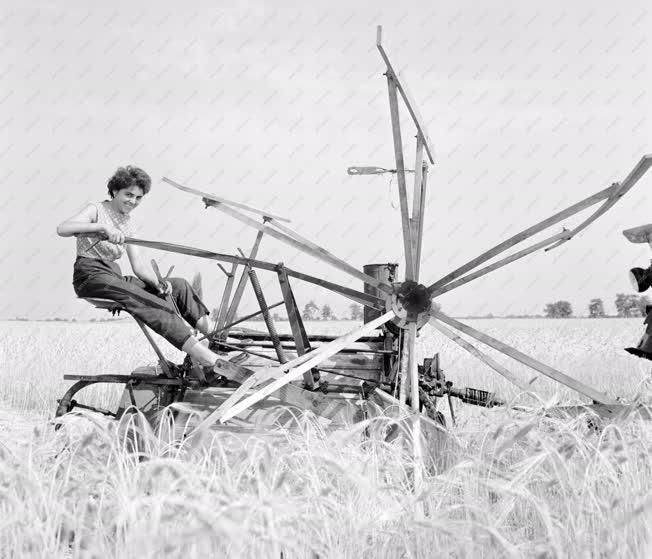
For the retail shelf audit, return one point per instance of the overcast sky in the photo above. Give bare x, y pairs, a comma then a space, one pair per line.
530, 107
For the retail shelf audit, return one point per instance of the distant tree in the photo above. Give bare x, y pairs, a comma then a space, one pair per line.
196, 285
596, 308
310, 311
327, 313
628, 305
355, 312
643, 302
558, 309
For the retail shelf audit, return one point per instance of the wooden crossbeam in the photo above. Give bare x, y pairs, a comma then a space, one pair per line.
486, 359
407, 97
521, 357
357, 296
319, 253
301, 364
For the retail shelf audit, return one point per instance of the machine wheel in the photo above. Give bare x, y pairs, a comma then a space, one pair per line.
67, 403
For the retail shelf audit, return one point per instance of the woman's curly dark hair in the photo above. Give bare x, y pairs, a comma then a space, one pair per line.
128, 176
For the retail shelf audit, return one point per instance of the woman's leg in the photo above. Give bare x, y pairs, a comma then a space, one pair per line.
155, 312
191, 307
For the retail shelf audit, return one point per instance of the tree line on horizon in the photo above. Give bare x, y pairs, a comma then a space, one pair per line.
627, 306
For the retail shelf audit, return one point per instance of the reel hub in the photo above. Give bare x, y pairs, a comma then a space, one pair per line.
411, 303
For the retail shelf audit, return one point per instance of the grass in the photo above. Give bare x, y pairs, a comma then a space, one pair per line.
521, 485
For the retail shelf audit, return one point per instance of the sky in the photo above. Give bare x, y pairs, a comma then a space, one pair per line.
530, 107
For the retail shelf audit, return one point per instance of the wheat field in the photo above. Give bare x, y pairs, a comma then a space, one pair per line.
520, 484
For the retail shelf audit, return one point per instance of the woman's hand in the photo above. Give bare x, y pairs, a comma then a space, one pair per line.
165, 288
114, 235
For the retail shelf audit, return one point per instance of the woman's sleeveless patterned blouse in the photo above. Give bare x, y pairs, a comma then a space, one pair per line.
104, 250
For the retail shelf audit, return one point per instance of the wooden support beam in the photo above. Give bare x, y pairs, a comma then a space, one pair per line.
407, 97
318, 252
400, 177
239, 290
403, 371
226, 296
424, 185
513, 257
365, 299
417, 202
486, 359
412, 367
161, 358
301, 340
512, 352
357, 296
301, 364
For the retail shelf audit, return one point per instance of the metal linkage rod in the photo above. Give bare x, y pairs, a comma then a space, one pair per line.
521, 357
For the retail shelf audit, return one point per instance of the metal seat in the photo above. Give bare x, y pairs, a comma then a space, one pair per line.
107, 304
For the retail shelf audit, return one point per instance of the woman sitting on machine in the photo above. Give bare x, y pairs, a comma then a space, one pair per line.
96, 273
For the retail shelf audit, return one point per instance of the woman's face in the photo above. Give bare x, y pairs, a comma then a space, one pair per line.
127, 199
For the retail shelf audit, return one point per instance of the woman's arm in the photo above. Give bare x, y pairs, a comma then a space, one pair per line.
85, 222
141, 269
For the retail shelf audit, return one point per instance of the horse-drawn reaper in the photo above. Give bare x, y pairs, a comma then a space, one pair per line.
342, 379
